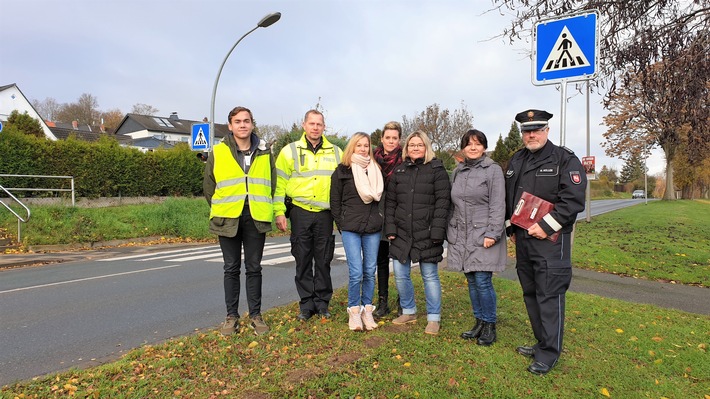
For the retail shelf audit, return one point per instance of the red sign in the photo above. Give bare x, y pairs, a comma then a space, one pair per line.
589, 168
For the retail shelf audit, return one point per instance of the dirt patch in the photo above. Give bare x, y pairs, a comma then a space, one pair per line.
374, 342
343, 359
254, 395
299, 375
394, 328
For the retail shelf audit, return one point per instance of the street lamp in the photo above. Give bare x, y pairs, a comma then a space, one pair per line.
265, 22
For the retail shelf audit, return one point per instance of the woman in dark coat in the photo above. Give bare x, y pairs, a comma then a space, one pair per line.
355, 191
417, 204
476, 231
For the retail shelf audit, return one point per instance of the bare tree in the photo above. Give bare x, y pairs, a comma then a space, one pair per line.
47, 108
633, 34
144, 109
270, 132
84, 110
443, 127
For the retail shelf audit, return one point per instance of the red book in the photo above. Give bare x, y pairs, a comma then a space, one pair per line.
530, 210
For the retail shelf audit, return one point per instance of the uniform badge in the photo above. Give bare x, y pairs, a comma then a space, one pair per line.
509, 173
575, 177
530, 115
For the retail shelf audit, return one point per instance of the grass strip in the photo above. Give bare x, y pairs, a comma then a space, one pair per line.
612, 349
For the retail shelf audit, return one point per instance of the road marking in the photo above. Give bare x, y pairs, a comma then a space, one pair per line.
151, 254
89, 278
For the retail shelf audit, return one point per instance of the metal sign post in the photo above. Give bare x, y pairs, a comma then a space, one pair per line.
565, 49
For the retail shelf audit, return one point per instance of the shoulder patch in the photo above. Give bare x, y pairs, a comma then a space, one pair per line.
567, 149
509, 173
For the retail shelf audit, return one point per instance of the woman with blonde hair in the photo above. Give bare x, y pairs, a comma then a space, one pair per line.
355, 191
417, 205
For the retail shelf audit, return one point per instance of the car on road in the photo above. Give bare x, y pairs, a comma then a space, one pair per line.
638, 194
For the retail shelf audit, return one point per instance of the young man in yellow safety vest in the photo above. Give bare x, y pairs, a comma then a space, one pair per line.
239, 183
304, 168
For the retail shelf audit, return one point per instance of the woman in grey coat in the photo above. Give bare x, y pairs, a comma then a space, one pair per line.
476, 231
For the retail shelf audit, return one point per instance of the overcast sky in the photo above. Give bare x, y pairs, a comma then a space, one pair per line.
367, 61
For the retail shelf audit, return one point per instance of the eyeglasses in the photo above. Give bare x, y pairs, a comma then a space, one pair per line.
415, 145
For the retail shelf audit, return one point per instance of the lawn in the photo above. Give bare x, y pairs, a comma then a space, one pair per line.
612, 349
664, 240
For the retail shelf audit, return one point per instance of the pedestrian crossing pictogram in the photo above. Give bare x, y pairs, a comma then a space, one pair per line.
565, 49
565, 54
200, 140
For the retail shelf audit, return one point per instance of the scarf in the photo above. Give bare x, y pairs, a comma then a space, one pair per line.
368, 179
388, 162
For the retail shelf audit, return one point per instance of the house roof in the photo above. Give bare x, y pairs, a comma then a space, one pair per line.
150, 143
63, 133
171, 124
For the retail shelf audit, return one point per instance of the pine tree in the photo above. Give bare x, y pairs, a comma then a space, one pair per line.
633, 169
514, 141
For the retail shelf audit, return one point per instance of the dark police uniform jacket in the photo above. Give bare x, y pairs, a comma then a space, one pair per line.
552, 173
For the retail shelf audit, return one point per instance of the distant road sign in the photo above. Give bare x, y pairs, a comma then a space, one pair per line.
565, 48
200, 140
0, 126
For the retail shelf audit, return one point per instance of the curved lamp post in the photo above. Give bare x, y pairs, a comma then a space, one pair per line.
265, 22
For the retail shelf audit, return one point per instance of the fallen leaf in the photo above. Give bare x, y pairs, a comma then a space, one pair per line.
657, 339
620, 331
252, 344
605, 392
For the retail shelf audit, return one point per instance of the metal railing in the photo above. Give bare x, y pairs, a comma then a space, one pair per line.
73, 194
20, 220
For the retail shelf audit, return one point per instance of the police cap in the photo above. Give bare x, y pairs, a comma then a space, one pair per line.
532, 119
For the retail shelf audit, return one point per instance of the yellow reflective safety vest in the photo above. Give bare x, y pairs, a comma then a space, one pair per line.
305, 176
233, 186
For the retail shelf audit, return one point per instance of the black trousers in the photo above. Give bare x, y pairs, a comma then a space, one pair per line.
253, 242
313, 245
545, 272
383, 268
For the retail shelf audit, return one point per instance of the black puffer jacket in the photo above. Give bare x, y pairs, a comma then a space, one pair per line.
349, 212
417, 204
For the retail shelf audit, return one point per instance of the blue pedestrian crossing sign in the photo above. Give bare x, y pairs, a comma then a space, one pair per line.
200, 140
565, 49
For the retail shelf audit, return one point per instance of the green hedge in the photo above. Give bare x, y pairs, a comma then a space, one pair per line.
100, 169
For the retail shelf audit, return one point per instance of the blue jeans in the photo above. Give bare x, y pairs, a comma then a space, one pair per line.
483, 295
361, 253
405, 288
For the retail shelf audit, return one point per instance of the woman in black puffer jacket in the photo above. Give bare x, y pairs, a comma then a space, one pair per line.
417, 204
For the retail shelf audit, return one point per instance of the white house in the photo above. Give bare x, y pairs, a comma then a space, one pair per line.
11, 98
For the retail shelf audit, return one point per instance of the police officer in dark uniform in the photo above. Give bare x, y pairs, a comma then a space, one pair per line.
544, 268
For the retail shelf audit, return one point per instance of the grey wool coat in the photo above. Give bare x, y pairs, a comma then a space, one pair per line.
477, 211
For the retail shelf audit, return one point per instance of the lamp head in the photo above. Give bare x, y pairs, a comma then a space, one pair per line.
269, 20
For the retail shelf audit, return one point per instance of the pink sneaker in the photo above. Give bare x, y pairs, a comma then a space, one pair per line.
367, 318
355, 319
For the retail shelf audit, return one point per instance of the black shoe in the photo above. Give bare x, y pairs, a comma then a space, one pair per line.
488, 334
474, 332
382, 309
304, 315
528, 351
539, 368
324, 314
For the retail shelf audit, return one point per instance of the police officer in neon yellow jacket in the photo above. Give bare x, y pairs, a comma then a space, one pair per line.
304, 169
239, 182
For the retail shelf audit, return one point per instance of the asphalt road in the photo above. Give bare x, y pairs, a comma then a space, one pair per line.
83, 313
80, 314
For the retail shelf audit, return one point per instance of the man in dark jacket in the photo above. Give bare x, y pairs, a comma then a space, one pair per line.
544, 268
239, 183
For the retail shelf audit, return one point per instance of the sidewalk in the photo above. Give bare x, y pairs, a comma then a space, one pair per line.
674, 296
